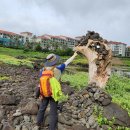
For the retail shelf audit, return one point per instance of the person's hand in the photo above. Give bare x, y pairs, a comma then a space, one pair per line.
75, 54
41, 98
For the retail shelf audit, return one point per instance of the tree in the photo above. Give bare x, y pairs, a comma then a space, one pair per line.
28, 45
55, 45
38, 47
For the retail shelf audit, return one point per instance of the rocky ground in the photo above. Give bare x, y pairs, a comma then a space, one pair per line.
18, 106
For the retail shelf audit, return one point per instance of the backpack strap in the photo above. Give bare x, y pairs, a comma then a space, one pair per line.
52, 69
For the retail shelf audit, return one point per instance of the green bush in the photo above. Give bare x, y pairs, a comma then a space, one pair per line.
25, 50
67, 52
38, 48
45, 50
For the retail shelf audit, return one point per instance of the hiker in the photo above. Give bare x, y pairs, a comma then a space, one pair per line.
51, 64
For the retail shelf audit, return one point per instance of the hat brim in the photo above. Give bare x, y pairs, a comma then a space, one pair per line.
49, 63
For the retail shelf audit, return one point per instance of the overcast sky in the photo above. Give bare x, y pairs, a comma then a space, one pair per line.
111, 18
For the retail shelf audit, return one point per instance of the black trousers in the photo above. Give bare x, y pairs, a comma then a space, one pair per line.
53, 112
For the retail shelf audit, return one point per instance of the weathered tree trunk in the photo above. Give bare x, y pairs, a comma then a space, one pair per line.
99, 57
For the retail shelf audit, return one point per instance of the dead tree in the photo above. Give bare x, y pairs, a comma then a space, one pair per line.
99, 56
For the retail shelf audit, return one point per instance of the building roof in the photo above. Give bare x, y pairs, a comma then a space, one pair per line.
62, 37
9, 33
68, 37
117, 43
29, 33
78, 38
59, 37
44, 37
48, 37
128, 47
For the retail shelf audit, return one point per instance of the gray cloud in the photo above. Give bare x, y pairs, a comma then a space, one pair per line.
111, 18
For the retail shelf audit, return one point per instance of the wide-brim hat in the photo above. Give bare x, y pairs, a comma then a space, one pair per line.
52, 59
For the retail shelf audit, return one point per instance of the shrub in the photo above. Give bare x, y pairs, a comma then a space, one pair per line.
45, 50
26, 50
67, 52
38, 47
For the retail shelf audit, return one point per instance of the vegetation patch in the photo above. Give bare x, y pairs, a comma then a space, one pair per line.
77, 80
119, 61
98, 113
118, 87
2, 77
20, 52
80, 61
14, 61
126, 61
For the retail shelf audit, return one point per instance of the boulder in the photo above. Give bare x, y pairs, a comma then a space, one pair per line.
24, 127
67, 89
30, 108
17, 113
18, 127
79, 127
7, 126
35, 128
2, 112
26, 118
64, 127
62, 120
106, 101
46, 120
6, 99
121, 116
1, 126
91, 120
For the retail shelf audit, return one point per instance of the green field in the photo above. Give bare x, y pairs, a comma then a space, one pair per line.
10, 56
119, 88
30, 56
126, 61
19, 52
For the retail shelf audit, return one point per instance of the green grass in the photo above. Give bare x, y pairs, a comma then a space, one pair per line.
77, 80
126, 61
80, 60
119, 88
9, 56
32, 55
4, 77
14, 61
19, 52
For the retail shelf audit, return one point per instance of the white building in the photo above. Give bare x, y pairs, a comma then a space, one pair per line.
128, 51
118, 48
50, 41
69, 41
10, 38
28, 36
